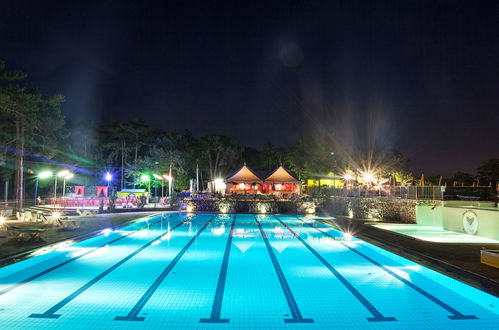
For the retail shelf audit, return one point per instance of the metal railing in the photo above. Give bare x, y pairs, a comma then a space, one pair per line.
403, 192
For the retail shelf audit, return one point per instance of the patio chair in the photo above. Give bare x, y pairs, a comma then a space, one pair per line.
20, 216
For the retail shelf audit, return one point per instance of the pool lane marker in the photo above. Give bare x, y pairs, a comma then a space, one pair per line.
456, 315
48, 270
132, 315
216, 309
293, 306
377, 316
50, 313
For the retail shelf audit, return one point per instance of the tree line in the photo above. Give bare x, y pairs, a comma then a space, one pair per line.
35, 135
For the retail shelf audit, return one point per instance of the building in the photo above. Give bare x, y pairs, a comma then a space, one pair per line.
278, 182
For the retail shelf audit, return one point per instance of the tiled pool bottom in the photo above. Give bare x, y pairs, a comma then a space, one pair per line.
180, 271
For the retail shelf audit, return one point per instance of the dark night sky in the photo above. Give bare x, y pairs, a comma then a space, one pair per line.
421, 76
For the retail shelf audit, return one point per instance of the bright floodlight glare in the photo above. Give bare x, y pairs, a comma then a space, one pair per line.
347, 236
145, 177
368, 177
45, 174
56, 215
158, 177
69, 176
348, 177
63, 173
219, 184
2, 220
167, 177
108, 176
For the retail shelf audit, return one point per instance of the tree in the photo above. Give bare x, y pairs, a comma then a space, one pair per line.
462, 178
117, 136
35, 123
272, 156
310, 157
220, 153
489, 170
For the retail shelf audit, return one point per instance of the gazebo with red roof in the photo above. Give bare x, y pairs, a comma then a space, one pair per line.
278, 182
281, 181
244, 181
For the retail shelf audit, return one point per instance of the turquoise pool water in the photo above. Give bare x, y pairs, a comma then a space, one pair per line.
206, 271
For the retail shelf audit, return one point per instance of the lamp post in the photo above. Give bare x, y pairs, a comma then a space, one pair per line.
42, 175
170, 179
147, 178
61, 174
160, 178
334, 168
69, 176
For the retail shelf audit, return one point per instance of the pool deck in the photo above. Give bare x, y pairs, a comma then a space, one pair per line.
458, 260
52, 234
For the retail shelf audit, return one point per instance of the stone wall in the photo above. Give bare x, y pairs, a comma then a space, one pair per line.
241, 206
372, 208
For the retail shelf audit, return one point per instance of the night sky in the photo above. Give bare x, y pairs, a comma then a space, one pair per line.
420, 76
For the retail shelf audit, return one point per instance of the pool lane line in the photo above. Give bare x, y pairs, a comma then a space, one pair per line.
297, 317
216, 308
132, 315
48, 270
456, 315
377, 315
50, 313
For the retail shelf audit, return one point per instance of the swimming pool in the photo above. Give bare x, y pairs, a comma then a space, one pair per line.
184, 271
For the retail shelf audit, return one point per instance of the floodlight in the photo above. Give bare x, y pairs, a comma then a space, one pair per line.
45, 174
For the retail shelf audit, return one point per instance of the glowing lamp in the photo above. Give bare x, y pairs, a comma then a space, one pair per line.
157, 177
108, 176
145, 177
44, 175
348, 177
219, 184
368, 177
63, 173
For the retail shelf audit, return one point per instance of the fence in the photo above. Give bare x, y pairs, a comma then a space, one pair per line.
402, 192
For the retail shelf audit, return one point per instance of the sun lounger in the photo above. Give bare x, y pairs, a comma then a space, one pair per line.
20, 233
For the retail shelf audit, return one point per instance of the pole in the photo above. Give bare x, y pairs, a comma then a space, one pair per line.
64, 187
6, 192
155, 194
149, 197
36, 188
55, 189
197, 176
170, 181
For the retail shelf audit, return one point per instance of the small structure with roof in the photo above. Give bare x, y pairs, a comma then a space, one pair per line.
244, 181
278, 182
282, 181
